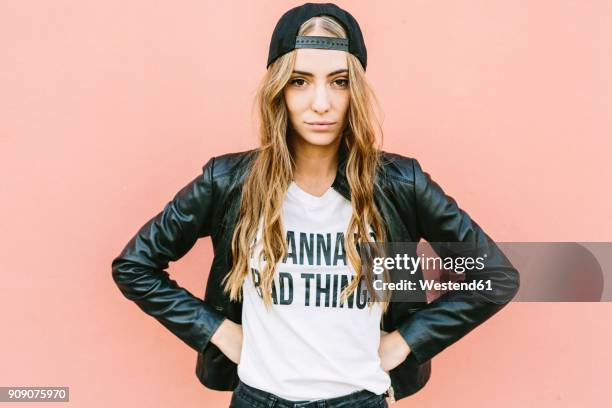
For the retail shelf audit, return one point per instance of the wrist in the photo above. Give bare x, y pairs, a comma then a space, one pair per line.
220, 334
402, 345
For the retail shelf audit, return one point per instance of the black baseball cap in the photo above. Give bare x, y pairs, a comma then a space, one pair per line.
285, 38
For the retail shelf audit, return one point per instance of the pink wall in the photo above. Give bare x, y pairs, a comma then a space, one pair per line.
107, 108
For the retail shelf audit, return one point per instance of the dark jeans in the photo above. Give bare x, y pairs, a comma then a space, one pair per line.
245, 396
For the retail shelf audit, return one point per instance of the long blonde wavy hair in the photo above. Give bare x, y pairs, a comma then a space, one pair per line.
272, 168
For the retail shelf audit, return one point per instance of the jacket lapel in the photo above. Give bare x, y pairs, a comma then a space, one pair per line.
340, 183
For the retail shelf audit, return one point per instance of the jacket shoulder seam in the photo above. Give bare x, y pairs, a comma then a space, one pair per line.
240, 156
392, 159
400, 178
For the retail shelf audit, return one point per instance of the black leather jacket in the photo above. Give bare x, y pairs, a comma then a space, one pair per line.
413, 206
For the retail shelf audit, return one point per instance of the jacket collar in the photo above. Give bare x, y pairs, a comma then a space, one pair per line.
340, 183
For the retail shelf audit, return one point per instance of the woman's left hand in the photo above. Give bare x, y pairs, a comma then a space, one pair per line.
392, 350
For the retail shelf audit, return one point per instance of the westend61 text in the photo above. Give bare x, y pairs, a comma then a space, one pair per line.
433, 285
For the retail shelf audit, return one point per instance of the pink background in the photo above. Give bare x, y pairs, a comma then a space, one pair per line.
107, 108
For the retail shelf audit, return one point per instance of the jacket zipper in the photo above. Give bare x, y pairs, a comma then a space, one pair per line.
391, 394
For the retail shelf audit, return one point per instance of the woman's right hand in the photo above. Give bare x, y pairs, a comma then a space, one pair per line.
228, 338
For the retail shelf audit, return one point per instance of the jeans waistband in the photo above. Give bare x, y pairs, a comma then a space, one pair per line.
269, 400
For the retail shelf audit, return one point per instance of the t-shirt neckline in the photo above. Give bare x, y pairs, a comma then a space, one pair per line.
310, 199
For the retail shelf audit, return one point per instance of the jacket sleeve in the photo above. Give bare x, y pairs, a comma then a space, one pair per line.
139, 271
451, 316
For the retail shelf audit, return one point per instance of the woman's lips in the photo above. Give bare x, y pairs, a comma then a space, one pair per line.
321, 126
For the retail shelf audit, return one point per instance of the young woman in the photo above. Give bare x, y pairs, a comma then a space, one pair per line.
285, 321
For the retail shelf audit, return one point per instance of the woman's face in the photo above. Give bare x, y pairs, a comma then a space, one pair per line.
318, 91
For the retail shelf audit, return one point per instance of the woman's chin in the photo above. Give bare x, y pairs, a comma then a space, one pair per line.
319, 138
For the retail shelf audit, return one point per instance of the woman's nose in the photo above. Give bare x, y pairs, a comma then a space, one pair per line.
321, 101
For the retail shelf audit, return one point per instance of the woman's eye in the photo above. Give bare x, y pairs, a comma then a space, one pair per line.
293, 81
342, 82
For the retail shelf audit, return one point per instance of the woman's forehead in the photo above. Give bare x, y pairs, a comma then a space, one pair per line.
320, 62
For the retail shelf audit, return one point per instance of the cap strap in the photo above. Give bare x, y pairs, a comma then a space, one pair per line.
313, 41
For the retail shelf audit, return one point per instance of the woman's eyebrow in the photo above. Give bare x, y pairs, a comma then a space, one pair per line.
338, 71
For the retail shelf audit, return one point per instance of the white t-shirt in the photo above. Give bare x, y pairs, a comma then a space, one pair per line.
308, 346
